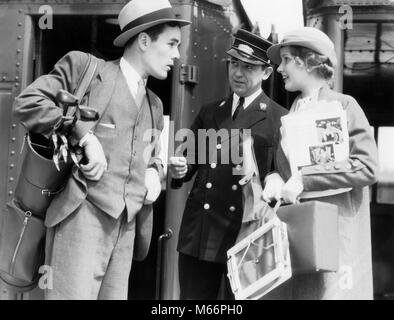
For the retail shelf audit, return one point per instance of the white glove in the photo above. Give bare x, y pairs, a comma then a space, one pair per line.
273, 187
293, 188
177, 167
97, 163
153, 184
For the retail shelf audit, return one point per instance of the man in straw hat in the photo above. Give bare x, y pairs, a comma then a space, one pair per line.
214, 209
107, 203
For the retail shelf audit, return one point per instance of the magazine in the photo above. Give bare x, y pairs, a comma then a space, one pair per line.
317, 136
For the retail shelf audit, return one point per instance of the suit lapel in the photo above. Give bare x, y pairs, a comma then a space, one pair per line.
222, 114
154, 108
254, 113
282, 163
102, 90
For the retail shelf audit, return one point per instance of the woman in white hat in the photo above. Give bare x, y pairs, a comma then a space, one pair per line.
307, 60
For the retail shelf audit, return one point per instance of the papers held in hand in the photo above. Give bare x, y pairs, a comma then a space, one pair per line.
316, 136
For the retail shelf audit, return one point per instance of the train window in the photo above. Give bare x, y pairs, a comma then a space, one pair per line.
95, 35
369, 63
385, 187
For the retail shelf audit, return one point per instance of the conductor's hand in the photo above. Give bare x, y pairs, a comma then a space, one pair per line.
177, 167
293, 188
273, 187
97, 163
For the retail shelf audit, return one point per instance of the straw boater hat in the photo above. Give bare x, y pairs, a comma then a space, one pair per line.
307, 37
250, 48
139, 15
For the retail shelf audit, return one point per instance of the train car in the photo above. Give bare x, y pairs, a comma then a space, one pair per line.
34, 34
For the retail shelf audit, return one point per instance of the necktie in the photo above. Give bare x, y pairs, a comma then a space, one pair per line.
240, 105
139, 97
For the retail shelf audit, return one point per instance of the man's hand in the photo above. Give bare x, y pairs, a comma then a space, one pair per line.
273, 187
177, 167
97, 163
293, 188
153, 184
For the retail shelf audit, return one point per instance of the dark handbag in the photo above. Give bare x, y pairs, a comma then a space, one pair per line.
22, 238
312, 229
22, 243
39, 180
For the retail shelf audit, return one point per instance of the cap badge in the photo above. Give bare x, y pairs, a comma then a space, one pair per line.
245, 49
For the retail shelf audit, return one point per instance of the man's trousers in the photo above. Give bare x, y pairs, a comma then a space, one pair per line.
89, 255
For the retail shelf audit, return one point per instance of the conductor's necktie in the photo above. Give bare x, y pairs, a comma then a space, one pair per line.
240, 105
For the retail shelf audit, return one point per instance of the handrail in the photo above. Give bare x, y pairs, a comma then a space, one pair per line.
167, 235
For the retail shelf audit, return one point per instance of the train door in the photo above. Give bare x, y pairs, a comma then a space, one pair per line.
96, 37
204, 79
38, 49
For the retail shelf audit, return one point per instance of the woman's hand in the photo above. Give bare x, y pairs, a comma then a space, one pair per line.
273, 187
293, 188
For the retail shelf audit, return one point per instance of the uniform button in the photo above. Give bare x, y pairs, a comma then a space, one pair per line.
209, 185
213, 165
206, 206
232, 208
234, 187
348, 166
327, 167
337, 166
238, 167
218, 146
355, 163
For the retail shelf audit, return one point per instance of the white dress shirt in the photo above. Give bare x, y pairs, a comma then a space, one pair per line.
248, 100
131, 75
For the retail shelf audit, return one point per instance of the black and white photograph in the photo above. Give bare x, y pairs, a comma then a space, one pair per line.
322, 154
142, 141
330, 130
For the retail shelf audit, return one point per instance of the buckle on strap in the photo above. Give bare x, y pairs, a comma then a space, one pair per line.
47, 193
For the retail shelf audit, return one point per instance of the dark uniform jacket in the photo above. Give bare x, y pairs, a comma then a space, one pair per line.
213, 212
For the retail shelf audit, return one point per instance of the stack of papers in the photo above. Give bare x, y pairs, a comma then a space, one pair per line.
316, 136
